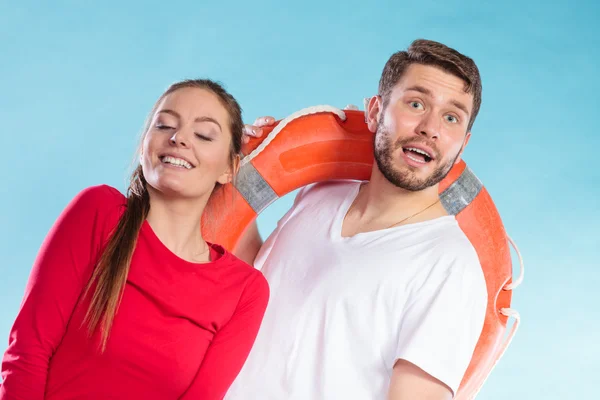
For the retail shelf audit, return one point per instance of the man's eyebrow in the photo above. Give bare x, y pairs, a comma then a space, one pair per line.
461, 106
199, 119
420, 89
426, 91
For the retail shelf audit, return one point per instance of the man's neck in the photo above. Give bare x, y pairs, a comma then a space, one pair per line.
381, 203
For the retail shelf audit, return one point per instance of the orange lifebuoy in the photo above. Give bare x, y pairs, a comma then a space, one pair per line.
323, 143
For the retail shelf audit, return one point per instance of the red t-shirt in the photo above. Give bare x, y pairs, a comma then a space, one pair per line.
183, 330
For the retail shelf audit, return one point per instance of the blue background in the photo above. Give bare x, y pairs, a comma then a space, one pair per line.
77, 80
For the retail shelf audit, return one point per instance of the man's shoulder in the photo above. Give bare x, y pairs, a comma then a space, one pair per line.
453, 240
330, 189
453, 250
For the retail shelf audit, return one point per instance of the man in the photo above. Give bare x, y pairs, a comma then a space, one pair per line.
375, 290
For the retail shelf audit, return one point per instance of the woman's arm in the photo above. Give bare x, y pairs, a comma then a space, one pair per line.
60, 272
231, 345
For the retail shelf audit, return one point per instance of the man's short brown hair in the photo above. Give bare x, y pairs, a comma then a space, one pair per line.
428, 52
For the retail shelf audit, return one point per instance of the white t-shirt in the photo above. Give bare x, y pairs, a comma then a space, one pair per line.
342, 311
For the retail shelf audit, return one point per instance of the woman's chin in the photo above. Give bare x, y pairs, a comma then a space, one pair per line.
168, 187
175, 189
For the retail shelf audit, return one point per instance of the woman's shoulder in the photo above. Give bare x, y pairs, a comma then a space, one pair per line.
101, 193
97, 206
99, 198
254, 280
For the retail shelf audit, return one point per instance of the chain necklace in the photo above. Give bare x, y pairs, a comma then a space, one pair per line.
407, 218
415, 214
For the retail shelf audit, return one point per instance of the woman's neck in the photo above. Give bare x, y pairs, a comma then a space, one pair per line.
176, 222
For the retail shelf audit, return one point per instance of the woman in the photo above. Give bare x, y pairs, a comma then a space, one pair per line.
126, 300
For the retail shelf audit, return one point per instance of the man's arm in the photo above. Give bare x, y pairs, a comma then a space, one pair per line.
439, 327
249, 244
411, 382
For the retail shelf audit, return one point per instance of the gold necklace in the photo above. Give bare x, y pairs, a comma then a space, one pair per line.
407, 218
415, 214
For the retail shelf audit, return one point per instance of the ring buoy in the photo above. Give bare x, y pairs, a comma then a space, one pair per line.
322, 143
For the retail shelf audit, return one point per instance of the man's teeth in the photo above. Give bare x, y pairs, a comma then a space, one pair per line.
416, 159
419, 151
177, 161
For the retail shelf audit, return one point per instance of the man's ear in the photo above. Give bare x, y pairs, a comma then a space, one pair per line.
465, 142
372, 112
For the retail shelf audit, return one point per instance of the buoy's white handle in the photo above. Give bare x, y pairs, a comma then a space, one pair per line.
510, 313
519, 279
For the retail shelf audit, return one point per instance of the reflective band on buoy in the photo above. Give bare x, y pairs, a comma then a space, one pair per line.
461, 192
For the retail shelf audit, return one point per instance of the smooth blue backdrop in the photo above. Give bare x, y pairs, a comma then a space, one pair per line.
77, 80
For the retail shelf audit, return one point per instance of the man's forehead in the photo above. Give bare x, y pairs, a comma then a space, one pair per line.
435, 82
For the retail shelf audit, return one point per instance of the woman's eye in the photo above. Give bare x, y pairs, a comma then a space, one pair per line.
204, 137
163, 126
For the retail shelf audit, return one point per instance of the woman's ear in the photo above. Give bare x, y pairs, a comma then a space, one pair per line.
230, 172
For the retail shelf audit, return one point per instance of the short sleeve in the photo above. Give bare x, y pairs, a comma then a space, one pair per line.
441, 325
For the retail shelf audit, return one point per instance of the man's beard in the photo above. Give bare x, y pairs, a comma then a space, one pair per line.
384, 156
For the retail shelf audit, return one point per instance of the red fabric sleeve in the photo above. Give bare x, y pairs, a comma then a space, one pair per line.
231, 345
62, 268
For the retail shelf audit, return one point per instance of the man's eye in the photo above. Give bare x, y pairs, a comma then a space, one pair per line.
416, 105
452, 119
